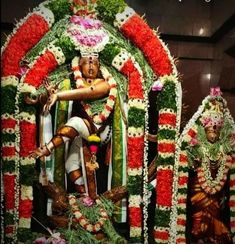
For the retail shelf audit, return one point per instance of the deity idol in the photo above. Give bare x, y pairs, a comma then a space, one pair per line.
208, 191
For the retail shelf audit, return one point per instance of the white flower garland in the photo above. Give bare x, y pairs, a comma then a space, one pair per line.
208, 184
84, 222
10, 80
123, 17
145, 170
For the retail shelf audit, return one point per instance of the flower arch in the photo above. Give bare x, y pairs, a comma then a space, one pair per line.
39, 40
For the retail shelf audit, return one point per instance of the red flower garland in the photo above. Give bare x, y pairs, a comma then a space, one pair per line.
166, 147
136, 217
45, 64
167, 119
183, 180
28, 35
25, 208
183, 158
164, 191
135, 144
232, 183
192, 133
8, 123
144, 38
9, 229
135, 85
9, 187
135, 153
8, 151
28, 133
163, 235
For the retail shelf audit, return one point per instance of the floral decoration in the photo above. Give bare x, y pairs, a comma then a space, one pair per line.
19, 118
26, 34
192, 145
82, 220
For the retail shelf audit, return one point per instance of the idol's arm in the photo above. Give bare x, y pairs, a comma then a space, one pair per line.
87, 93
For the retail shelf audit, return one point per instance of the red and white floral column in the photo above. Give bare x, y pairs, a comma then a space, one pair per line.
17, 125
135, 141
157, 54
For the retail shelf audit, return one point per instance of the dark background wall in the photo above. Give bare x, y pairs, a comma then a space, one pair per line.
200, 34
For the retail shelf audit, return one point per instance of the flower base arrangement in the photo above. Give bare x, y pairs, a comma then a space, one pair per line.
134, 60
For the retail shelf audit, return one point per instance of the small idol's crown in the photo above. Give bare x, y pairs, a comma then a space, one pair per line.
213, 114
212, 118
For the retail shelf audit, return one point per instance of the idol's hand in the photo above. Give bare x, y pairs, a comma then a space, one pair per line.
50, 102
52, 96
51, 88
30, 100
40, 152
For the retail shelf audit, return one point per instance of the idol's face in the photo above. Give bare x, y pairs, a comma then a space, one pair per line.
89, 67
212, 134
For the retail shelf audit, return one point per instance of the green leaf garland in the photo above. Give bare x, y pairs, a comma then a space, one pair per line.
107, 9
60, 8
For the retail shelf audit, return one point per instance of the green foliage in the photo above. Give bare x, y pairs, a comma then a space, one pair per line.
8, 166
6, 137
8, 94
181, 211
135, 240
232, 192
109, 52
26, 236
78, 235
165, 161
8, 218
167, 97
184, 145
60, 8
61, 73
27, 175
136, 117
67, 46
55, 32
92, 213
232, 170
24, 107
134, 185
182, 191
162, 217
107, 9
183, 169
166, 134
